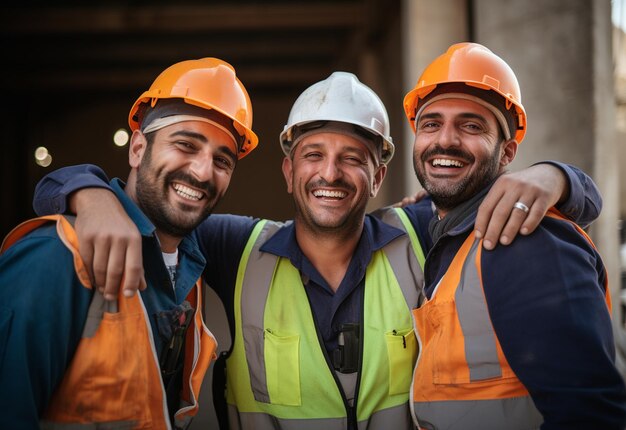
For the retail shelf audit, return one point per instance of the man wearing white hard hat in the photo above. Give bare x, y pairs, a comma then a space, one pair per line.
319, 308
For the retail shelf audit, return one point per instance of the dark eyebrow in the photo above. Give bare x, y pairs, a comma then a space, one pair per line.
430, 115
470, 115
191, 135
224, 149
350, 149
464, 115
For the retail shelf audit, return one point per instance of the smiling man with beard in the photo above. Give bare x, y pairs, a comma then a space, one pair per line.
70, 359
518, 337
319, 308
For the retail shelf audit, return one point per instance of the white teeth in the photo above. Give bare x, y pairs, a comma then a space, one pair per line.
187, 192
328, 193
446, 163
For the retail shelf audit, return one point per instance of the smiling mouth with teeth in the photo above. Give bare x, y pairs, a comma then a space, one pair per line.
187, 193
444, 162
330, 194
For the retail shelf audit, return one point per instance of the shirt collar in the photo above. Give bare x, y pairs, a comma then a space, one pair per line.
376, 234
188, 245
146, 228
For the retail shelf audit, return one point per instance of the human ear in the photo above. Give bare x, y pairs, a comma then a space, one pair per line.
288, 173
137, 148
379, 176
509, 150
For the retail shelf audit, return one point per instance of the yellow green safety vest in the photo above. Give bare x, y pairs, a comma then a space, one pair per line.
278, 375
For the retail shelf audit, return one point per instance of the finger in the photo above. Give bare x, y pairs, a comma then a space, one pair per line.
115, 270
133, 269
537, 211
100, 261
486, 211
143, 285
499, 218
86, 254
513, 225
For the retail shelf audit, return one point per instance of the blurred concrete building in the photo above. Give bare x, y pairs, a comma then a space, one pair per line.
73, 69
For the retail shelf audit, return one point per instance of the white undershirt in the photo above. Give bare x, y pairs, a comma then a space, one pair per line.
171, 262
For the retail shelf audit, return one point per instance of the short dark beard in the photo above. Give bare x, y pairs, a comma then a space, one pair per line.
466, 188
150, 197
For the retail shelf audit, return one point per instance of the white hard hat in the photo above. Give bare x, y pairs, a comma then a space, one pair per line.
340, 98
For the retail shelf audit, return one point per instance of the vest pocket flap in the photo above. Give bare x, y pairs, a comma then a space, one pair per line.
282, 367
401, 352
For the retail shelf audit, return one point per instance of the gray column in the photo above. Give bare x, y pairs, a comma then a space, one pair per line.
561, 53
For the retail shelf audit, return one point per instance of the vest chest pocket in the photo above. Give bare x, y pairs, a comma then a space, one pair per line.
282, 368
401, 352
463, 352
448, 346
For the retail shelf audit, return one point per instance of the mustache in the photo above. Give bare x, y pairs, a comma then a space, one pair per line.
339, 183
450, 152
206, 186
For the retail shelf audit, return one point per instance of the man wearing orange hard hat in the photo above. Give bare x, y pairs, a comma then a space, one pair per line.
319, 309
71, 359
518, 337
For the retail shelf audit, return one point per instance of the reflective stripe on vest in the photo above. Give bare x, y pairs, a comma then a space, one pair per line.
278, 373
114, 379
462, 378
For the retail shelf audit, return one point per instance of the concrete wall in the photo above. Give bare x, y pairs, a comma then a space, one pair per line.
561, 53
429, 28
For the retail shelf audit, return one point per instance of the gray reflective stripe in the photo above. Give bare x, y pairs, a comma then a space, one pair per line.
480, 340
517, 413
402, 258
183, 422
396, 418
98, 305
97, 308
117, 425
348, 383
255, 289
260, 421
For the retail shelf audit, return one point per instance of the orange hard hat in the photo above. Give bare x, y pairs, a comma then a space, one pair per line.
209, 83
476, 66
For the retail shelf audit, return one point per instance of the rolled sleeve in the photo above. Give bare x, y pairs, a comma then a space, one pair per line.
53, 190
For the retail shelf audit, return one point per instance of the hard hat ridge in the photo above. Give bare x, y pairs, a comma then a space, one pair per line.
481, 73
210, 84
340, 98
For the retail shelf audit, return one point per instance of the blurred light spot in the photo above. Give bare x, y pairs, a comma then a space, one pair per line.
41, 153
46, 161
120, 138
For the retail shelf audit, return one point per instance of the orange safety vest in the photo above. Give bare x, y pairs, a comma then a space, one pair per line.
462, 378
114, 378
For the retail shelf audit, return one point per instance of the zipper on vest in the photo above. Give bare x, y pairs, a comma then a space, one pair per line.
353, 422
350, 410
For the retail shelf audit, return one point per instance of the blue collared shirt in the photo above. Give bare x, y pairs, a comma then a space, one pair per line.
333, 309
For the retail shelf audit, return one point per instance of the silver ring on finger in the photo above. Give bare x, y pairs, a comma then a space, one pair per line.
521, 206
